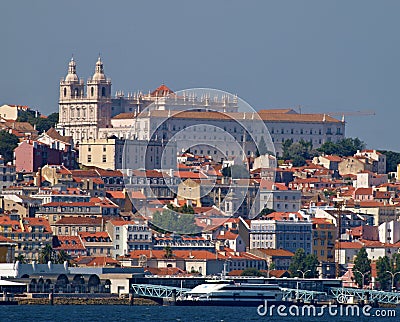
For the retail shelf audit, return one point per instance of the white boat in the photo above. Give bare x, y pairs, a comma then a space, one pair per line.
227, 292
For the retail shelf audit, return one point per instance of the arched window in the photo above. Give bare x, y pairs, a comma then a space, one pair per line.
65, 92
76, 92
92, 91
103, 91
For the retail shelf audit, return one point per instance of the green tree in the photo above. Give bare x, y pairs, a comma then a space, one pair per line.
384, 278
345, 147
46, 254
27, 116
62, 257
311, 263
171, 221
168, 254
42, 123
362, 264
298, 152
8, 142
20, 258
298, 263
298, 161
308, 264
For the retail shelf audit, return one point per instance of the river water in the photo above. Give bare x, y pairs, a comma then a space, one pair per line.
66, 313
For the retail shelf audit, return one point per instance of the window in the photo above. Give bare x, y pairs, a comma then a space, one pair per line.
65, 92
92, 91
104, 158
117, 237
89, 158
89, 148
104, 148
103, 91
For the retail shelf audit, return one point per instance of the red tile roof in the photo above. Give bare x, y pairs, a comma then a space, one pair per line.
276, 252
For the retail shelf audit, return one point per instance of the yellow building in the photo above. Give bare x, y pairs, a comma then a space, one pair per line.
189, 190
324, 235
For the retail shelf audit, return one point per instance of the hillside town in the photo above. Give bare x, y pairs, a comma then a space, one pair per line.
107, 182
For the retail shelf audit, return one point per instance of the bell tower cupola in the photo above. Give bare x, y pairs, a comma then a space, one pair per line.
99, 87
71, 87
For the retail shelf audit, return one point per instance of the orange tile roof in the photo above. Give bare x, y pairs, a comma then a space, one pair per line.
87, 221
350, 245
228, 235
99, 261
38, 222
138, 195
276, 252
70, 243
161, 91
283, 215
6, 240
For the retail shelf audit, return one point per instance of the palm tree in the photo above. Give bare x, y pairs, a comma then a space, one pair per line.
46, 254
62, 257
20, 258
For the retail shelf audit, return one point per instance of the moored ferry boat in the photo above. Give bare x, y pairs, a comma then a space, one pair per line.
228, 293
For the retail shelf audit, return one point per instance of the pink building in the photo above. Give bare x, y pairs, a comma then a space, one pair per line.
30, 155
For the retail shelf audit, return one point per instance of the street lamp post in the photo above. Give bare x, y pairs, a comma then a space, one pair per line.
304, 273
393, 275
363, 274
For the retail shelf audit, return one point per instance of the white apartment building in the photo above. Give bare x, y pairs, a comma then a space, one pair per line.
378, 159
288, 231
278, 197
129, 235
389, 232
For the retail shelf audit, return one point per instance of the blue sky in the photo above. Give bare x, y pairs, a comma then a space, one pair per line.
323, 55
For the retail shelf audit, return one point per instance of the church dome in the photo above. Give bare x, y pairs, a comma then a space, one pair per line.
72, 76
99, 73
